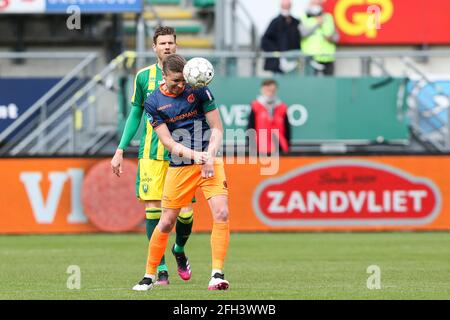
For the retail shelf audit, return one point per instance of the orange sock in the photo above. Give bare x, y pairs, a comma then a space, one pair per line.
156, 248
220, 237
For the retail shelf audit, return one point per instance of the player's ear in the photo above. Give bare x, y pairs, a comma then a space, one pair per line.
154, 47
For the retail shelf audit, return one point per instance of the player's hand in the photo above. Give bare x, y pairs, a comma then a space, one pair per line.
201, 157
208, 170
116, 162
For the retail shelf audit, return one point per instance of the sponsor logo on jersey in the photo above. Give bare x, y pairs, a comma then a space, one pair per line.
191, 98
166, 106
186, 115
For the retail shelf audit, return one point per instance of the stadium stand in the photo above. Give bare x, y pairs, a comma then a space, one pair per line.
193, 22
106, 79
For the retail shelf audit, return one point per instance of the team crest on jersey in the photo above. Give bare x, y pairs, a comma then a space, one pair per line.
145, 187
191, 98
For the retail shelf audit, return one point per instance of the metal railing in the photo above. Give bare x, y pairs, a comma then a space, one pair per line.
25, 125
439, 134
224, 27
72, 127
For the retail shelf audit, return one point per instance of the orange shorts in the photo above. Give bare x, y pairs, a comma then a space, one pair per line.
182, 182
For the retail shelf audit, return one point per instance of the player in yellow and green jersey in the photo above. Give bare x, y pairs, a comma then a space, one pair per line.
153, 157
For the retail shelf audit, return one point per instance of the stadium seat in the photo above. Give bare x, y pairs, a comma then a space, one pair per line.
182, 41
195, 42
130, 29
188, 19
204, 3
178, 14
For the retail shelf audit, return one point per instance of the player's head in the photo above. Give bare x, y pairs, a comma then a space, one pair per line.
285, 5
164, 42
173, 73
269, 88
317, 2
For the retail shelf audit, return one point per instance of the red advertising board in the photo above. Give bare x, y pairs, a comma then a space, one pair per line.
391, 22
347, 192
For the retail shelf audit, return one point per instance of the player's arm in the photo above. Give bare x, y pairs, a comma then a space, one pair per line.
215, 141
177, 148
131, 127
215, 123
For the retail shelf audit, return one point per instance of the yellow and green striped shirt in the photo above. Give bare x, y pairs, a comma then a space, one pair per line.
147, 80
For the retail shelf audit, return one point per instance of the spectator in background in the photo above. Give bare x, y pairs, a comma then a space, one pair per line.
319, 38
270, 120
282, 35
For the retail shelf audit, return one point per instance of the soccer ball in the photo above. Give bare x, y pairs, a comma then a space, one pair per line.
198, 72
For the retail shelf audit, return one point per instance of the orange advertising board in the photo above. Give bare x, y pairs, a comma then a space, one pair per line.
370, 193
43, 195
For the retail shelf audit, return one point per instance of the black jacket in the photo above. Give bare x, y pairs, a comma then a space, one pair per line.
280, 36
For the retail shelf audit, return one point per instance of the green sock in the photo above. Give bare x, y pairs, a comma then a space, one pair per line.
183, 229
162, 267
153, 215
178, 249
150, 225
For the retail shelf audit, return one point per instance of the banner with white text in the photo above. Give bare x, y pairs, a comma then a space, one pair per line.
365, 193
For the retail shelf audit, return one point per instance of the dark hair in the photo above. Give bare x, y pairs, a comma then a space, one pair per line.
173, 62
269, 82
164, 31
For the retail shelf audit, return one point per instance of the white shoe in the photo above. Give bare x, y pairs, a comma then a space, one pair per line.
144, 285
218, 282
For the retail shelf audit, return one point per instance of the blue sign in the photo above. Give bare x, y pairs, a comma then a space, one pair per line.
94, 6
17, 95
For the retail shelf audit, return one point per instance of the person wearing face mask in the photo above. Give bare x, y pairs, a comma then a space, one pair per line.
269, 118
319, 38
283, 34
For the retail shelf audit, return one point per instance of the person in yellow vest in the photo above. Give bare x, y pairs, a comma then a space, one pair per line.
319, 38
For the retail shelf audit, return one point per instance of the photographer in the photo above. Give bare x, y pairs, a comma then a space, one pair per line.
319, 38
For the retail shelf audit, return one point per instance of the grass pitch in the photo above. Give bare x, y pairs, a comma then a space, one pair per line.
259, 266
